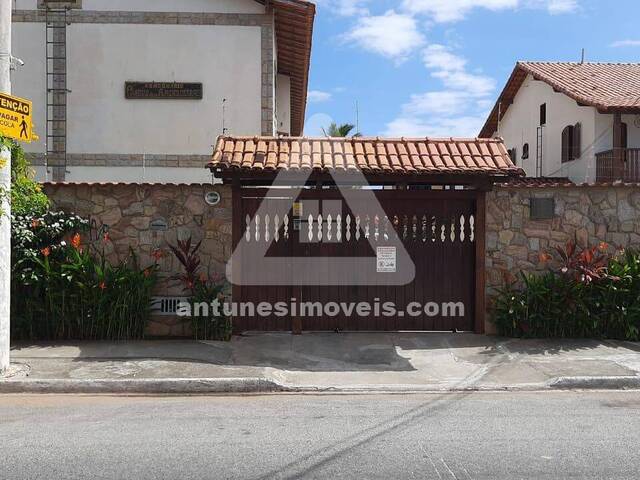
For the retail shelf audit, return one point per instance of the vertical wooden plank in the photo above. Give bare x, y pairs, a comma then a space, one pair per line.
295, 249
480, 228
236, 235
618, 157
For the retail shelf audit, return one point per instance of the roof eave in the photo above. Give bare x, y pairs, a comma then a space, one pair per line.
286, 11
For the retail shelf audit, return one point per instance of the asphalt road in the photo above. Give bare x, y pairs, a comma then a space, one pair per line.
450, 436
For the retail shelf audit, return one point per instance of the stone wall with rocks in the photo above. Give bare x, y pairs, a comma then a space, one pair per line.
146, 218
514, 242
586, 214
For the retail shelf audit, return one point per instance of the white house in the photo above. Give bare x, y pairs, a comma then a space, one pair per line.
575, 120
138, 90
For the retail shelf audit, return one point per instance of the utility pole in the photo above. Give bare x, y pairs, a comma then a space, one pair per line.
5, 187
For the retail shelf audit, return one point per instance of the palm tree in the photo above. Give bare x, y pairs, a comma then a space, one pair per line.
343, 130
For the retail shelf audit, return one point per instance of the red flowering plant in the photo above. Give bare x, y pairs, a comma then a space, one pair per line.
585, 265
202, 288
187, 254
586, 292
63, 286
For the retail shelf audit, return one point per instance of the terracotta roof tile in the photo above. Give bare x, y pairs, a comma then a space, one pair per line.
609, 87
393, 156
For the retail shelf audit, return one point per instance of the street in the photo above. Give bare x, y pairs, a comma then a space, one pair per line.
441, 436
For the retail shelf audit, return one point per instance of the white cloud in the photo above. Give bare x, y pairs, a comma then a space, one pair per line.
443, 11
450, 68
317, 96
438, 102
345, 8
474, 85
556, 7
457, 110
439, 57
392, 35
453, 10
625, 43
464, 126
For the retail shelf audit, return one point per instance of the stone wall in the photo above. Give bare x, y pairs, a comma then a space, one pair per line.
585, 214
127, 212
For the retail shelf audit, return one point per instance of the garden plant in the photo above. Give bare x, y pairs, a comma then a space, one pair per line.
585, 293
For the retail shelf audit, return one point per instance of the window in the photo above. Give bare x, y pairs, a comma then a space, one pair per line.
571, 143
525, 151
513, 154
543, 114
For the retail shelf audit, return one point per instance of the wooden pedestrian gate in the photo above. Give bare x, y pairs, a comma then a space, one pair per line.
438, 229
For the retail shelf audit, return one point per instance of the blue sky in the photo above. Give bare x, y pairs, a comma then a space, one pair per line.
435, 67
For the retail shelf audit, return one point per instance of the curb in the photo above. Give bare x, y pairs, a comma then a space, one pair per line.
142, 385
629, 382
195, 386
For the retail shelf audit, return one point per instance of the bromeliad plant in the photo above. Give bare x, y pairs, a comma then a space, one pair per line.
586, 265
202, 288
590, 294
188, 256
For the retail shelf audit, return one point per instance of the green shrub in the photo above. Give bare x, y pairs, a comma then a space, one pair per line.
30, 234
62, 290
27, 197
59, 289
584, 298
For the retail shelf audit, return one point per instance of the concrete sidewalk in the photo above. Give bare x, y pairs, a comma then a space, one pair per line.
326, 362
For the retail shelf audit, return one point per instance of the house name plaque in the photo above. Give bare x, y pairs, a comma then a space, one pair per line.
162, 90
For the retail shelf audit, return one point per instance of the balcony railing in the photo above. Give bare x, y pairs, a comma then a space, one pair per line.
606, 170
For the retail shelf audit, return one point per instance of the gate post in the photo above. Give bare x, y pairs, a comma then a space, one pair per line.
480, 300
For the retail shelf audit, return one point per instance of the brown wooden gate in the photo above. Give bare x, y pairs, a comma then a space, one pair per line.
437, 228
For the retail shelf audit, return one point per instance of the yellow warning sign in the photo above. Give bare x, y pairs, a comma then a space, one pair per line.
15, 118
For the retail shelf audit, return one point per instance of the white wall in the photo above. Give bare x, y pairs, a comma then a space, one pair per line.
101, 57
29, 81
226, 59
131, 174
604, 131
209, 6
520, 122
283, 104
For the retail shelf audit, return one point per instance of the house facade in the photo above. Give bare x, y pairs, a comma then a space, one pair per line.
139, 90
575, 120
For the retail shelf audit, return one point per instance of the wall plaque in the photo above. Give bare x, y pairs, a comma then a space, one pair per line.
158, 225
386, 260
162, 90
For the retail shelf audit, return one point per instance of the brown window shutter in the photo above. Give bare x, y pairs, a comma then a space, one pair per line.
576, 149
566, 143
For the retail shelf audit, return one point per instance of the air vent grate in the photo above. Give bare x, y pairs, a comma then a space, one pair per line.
166, 305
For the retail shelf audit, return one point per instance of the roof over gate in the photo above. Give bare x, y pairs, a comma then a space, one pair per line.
369, 155
609, 87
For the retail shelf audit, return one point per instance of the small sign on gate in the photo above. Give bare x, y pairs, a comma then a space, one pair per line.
297, 209
386, 259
